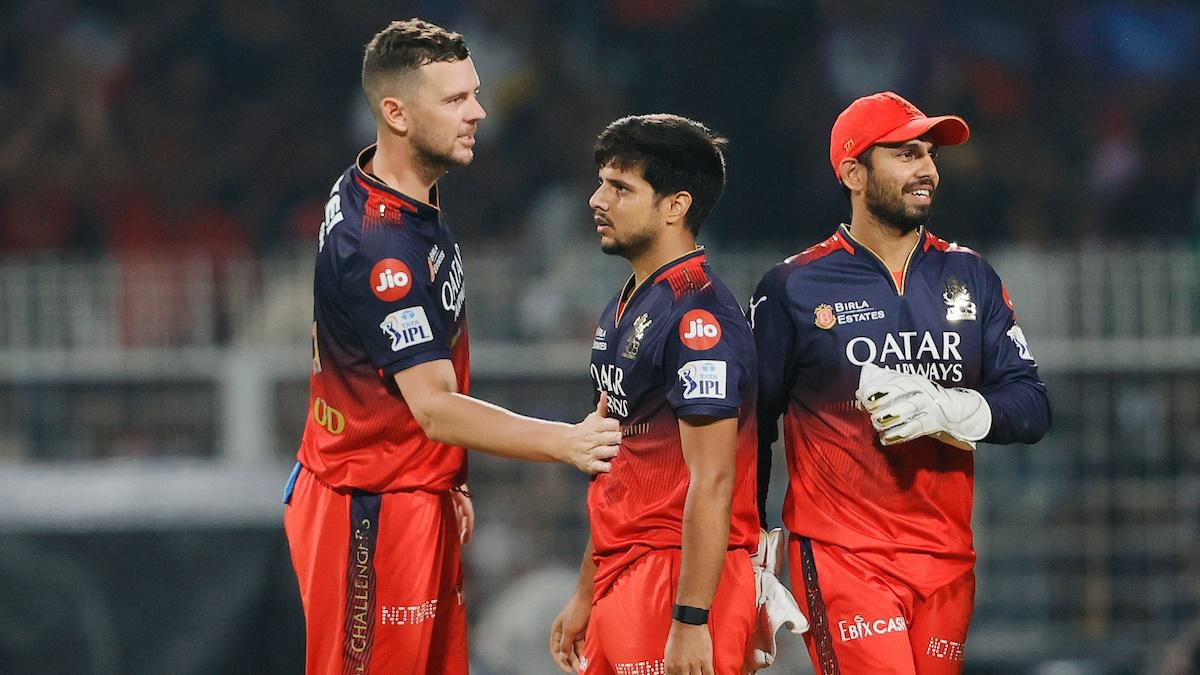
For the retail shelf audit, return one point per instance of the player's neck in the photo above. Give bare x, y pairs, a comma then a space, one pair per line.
394, 165
661, 252
887, 241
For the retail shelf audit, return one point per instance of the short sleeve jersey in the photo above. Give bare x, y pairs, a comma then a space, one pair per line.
676, 346
822, 314
388, 295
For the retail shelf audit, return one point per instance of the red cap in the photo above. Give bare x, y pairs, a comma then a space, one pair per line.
887, 118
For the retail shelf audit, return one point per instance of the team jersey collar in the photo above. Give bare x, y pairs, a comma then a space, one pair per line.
855, 247
696, 256
406, 203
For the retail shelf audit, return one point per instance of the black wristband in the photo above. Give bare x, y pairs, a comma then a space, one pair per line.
690, 615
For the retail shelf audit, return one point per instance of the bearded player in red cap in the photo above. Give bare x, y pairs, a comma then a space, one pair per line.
890, 353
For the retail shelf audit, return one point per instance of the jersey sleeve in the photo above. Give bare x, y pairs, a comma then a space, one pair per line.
390, 302
707, 357
1009, 379
775, 342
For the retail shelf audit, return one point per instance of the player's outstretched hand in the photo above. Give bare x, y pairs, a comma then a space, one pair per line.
568, 631
689, 650
905, 406
595, 440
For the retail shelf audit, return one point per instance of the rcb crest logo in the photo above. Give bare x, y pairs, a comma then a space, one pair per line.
634, 343
825, 318
959, 306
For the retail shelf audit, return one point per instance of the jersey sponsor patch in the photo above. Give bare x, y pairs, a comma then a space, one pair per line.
1018, 337
703, 379
699, 330
407, 327
390, 280
824, 316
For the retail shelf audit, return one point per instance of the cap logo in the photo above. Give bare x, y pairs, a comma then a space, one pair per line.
848, 145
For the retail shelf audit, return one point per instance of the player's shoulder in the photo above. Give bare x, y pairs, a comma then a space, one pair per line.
692, 285
827, 251
955, 254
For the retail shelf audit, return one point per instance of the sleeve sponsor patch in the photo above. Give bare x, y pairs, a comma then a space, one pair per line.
1018, 337
407, 327
703, 379
390, 280
699, 330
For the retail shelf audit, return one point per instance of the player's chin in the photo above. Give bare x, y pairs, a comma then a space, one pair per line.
610, 246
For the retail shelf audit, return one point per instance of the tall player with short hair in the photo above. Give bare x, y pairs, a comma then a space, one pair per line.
666, 583
891, 353
377, 506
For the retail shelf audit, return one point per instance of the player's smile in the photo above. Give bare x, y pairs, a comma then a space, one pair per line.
922, 194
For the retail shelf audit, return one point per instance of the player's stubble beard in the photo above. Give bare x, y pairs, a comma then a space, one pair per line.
436, 162
886, 203
633, 247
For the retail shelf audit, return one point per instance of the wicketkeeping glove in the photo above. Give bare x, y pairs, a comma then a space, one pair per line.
776, 606
904, 407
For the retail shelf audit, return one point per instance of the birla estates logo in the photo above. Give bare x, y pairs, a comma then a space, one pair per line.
699, 330
390, 280
824, 316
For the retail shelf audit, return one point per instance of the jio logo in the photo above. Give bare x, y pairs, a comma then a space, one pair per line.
699, 330
390, 279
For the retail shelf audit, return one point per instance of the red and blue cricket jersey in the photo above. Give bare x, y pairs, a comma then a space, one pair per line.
675, 346
823, 313
388, 295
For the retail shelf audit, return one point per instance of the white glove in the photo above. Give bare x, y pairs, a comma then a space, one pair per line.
904, 407
776, 606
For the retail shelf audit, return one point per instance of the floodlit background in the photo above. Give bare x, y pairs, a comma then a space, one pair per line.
162, 171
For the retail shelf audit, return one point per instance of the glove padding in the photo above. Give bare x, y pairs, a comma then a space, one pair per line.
904, 407
776, 606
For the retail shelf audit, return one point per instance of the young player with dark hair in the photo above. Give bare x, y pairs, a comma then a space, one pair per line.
666, 583
377, 506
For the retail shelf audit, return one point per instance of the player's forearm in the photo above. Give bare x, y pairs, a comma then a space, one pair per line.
1020, 412
587, 572
458, 419
706, 514
768, 432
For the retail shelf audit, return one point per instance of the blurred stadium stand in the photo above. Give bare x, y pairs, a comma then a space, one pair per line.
162, 169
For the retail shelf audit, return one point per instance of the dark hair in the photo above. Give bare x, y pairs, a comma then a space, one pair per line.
674, 153
403, 47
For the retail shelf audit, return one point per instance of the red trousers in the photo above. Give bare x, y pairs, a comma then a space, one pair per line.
627, 632
380, 579
863, 620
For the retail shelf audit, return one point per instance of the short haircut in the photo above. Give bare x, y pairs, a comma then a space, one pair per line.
675, 154
402, 48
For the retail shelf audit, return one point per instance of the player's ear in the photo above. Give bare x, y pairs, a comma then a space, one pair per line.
677, 207
394, 114
854, 173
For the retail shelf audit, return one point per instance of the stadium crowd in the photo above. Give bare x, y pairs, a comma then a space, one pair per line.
137, 127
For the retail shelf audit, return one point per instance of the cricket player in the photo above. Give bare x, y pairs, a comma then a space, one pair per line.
890, 353
377, 506
666, 584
